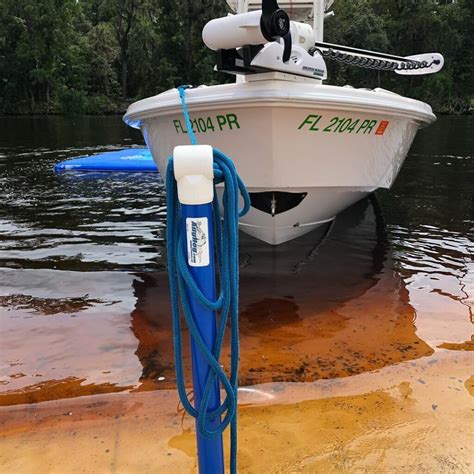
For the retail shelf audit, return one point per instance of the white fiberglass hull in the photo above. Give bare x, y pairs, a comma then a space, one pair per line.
305, 151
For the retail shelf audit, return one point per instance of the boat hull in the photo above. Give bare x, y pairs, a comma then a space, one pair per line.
304, 159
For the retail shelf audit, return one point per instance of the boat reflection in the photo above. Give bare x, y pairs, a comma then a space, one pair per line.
323, 306
329, 304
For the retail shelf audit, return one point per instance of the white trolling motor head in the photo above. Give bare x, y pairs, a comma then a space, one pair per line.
264, 40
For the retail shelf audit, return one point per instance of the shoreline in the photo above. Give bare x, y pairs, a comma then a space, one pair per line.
414, 417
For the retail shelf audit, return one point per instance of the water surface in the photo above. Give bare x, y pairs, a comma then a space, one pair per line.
355, 346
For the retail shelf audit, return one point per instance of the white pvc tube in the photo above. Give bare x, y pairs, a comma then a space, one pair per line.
194, 173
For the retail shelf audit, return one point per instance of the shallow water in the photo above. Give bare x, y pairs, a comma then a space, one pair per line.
355, 347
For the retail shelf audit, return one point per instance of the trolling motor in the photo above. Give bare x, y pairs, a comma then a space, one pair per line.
266, 40
262, 41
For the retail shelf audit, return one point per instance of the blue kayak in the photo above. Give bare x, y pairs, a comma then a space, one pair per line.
129, 160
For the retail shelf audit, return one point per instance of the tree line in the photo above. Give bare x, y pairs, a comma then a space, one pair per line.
96, 56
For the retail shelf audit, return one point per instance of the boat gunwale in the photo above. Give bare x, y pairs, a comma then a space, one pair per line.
358, 100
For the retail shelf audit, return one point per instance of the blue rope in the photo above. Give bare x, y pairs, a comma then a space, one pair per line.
181, 280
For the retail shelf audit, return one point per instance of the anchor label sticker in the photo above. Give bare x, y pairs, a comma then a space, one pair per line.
197, 236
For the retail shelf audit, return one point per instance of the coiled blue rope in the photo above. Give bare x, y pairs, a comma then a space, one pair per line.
182, 282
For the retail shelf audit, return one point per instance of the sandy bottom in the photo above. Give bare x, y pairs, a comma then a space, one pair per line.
414, 417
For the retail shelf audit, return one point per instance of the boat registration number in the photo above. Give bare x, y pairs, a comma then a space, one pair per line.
216, 123
318, 123
312, 123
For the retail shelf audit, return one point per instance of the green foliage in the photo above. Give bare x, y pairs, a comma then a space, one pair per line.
101, 54
407, 27
40, 52
95, 56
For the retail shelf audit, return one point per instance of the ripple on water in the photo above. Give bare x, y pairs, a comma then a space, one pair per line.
354, 345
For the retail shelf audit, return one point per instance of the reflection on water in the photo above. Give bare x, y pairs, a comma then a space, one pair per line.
359, 332
305, 315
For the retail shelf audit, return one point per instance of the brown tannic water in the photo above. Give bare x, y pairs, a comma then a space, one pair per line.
356, 349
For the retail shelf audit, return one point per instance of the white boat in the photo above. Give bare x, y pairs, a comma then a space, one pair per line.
305, 150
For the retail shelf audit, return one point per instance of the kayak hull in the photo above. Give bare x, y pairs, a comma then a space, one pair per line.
128, 161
